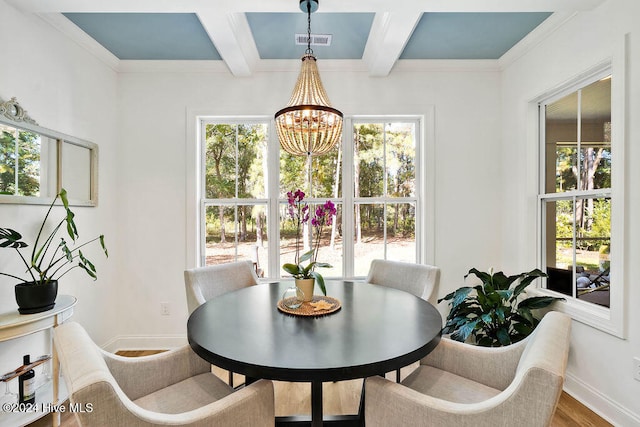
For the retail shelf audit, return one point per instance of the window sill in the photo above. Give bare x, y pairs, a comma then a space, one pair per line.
590, 314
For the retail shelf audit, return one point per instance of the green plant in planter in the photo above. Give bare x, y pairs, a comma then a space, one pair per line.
494, 312
50, 260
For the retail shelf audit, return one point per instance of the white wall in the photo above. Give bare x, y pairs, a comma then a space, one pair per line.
66, 89
153, 112
484, 181
600, 370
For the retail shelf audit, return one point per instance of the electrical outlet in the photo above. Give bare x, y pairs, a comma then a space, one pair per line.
636, 368
164, 309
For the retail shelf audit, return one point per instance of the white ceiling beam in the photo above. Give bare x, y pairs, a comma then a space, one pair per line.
233, 39
389, 33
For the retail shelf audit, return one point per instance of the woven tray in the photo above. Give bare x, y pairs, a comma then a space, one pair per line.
308, 310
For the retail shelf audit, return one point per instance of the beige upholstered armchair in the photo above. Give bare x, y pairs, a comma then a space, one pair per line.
417, 279
204, 283
463, 385
171, 388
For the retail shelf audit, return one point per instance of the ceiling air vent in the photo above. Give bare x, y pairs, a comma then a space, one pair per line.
316, 39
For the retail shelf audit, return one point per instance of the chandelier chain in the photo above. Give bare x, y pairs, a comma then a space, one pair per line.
309, 50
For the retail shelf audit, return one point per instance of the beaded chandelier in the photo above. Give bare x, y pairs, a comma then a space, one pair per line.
308, 125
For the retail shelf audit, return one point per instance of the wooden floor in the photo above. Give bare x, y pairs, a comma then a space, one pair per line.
343, 398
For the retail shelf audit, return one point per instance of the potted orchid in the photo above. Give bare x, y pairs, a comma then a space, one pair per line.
298, 211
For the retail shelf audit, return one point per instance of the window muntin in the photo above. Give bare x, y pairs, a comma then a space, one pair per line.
576, 202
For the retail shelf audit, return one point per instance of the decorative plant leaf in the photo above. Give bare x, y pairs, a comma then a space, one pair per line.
501, 282
63, 198
485, 277
86, 262
11, 239
505, 294
485, 342
503, 336
484, 299
447, 297
464, 331
307, 269
104, 248
494, 298
527, 280
323, 265
319, 281
487, 318
460, 295
291, 268
87, 270
500, 313
306, 256
488, 311
522, 329
65, 250
538, 302
87, 266
526, 316
72, 231
71, 226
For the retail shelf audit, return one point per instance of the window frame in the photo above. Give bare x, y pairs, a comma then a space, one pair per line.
385, 200
196, 202
233, 202
611, 319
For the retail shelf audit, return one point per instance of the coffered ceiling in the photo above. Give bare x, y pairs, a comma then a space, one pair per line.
246, 35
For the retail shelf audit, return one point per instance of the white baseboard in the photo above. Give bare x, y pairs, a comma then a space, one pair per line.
144, 342
602, 405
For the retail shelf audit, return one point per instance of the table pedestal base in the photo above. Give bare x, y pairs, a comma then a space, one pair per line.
317, 419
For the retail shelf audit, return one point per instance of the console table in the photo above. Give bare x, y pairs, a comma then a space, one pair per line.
14, 325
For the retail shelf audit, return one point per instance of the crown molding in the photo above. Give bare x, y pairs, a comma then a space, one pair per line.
174, 66
74, 33
535, 37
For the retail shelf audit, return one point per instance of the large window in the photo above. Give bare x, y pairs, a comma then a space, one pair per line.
234, 200
372, 178
385, 193
576, 191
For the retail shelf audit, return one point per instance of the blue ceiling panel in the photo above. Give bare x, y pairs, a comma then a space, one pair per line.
274, 34
469, 35
148, 36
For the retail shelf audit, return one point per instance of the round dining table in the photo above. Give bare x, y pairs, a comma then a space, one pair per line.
377, 329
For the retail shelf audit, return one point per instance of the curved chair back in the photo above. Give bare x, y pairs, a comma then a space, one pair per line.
175, 387
459, 384
417, 279
204, 283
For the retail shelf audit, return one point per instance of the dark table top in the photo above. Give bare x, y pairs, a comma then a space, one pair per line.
377, 330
